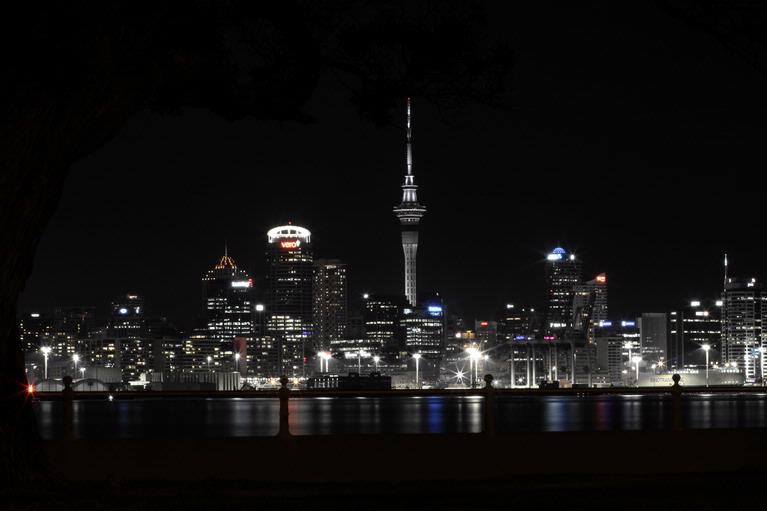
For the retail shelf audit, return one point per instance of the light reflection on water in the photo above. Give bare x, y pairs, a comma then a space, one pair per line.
241, 417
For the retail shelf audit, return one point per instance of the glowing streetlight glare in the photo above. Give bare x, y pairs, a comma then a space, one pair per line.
46, 350
417, 357
706, 347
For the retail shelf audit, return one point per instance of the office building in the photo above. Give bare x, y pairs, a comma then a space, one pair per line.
653, 334
126, 328
743, 345
589, 305
383, 329
563, 273
227, 297
692, 326
35, 330
330, 302
409, 212
289, 295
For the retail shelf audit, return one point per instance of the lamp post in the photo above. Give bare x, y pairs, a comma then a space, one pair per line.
417, 357
46, 350
636, 361
627, 346
325, 356
706, 348
474, 356
237, 361
376, 360
76, 359
210, 359
82, 373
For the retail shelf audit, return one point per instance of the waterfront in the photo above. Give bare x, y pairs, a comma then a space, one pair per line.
246, 417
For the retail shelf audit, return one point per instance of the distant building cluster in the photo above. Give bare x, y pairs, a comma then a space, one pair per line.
303, 325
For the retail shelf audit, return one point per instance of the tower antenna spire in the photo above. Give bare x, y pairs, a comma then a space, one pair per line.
409, 140
725, 269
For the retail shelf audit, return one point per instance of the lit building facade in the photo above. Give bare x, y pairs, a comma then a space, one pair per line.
653, 333
743, 344
563, 273
689, 328
383, 329
227, 297
126, 328
589, 305
330, 302
35, 330
409, 212
289, 281
424, 329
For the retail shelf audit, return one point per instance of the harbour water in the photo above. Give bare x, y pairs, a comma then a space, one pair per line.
245, 417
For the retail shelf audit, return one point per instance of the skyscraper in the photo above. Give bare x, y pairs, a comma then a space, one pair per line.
563, 273
383, 329
653, 334
409, 212
127, 328
743, 344
690, 328
330, 302
289, 295
228, 311
589, 305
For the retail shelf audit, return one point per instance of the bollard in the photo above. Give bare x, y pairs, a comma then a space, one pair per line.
676, 403
284, 394
489, 416
68, 395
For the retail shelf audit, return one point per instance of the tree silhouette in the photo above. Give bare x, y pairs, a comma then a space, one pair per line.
78, 71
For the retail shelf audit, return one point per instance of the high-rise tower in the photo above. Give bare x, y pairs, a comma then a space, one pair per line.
409, 213
289, 295
563, 273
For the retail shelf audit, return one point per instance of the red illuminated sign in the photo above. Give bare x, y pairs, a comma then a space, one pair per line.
290, 244
483, 323
602, 278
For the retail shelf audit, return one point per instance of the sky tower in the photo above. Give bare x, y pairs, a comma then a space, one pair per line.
409, 213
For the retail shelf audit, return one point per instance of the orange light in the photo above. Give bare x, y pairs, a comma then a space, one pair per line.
483, 323
602, 278
289, 244
30, 389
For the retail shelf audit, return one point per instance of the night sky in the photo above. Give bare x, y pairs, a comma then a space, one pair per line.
627, 136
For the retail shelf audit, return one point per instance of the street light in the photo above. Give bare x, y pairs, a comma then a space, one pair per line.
210, 359
474, 356
360, 354
237, 361
46, 350
636, 361
376, 360
417, 357
706, 348
324, 356
75, 359
82, 373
